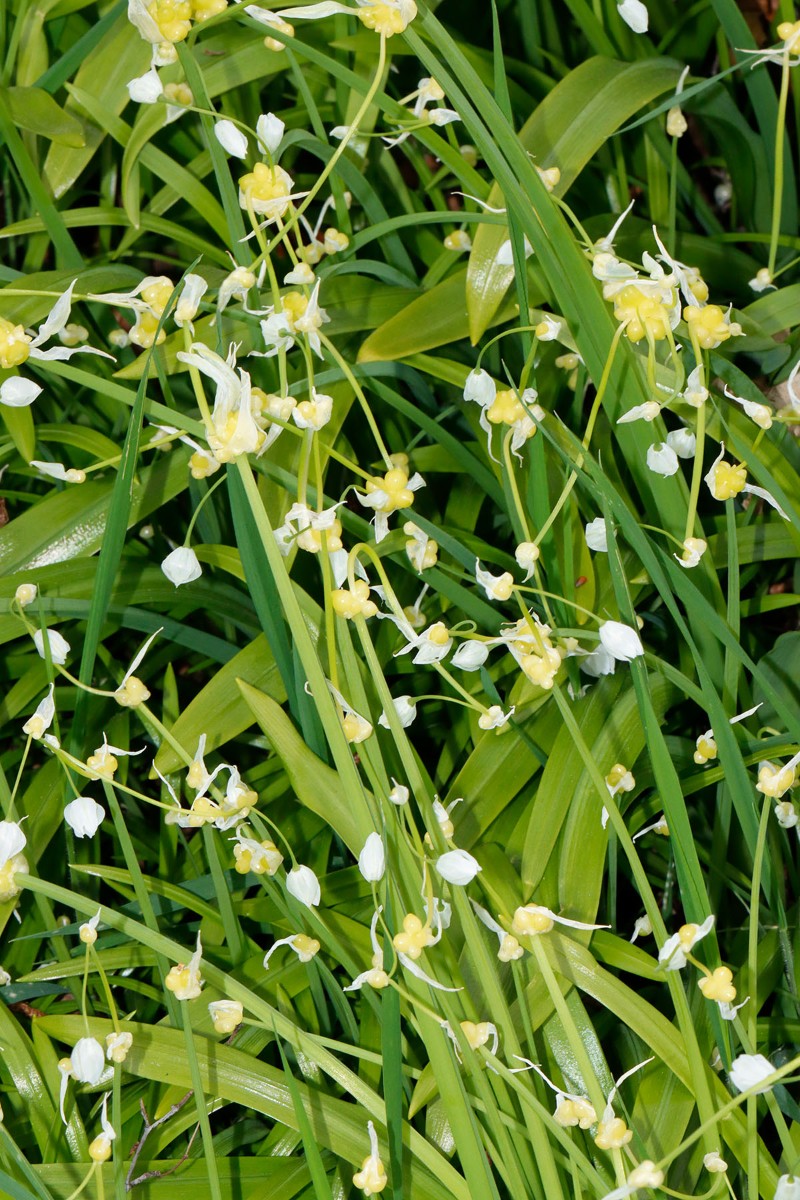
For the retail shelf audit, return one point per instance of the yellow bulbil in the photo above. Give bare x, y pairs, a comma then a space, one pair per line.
353, 603
710, 325
414, 937
393, 483
575, 1112
642, 315
718, 986
388, 20
729, 480
613, 1134
173, 18
266, 189
203, 9
144, 333
132, 693
505, 409
14, 344
706, 749
9, 887
529, 919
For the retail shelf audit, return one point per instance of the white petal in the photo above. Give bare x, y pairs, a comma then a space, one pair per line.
182, 566
84, 816
231, 139
662, 459
302, 883
470, 656
17, 392
59, 646
620, 641
372, 859
597, 535
269, 130
146, 89
634, 14
457, 867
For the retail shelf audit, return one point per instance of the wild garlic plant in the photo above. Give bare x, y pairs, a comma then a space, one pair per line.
400, 685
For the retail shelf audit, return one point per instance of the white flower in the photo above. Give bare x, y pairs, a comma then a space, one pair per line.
640, 412
194, 288
634, 14
470, 656
182, 566
53, 323
17, 392
84, 816
55, 470
672, 954
695, 391
145, 89
683, 442
231, 139
480, 387
762, 281
693, 551
714, 1162
37, 725
399, 794
662, 459
59, 646
25, 594
314, 413
750, 1069
496, 587
495, 718
597, 535
12, 841
88, 1060
788, 1188
530, 920
302, 883
620, 641
457, 867
406, 709
642, 928
760, 413
269, 131
527, 555
372, 859
443, 116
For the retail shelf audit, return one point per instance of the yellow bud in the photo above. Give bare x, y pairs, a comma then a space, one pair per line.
718, 985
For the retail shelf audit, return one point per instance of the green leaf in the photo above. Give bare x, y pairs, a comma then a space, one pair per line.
437, 318
565, 131
37, 112
317, 785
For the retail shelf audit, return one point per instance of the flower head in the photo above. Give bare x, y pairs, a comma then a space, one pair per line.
372, 1177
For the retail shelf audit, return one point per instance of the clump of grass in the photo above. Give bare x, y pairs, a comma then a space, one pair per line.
400, 610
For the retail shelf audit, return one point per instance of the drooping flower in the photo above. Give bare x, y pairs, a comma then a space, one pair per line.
457, 867
84, 816
673, 954
749, 1070
372, 859
620, 641
185, 980
182, 566
302, 883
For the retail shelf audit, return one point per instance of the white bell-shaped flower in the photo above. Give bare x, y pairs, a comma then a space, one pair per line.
620, 641
302, 883
182, 566
457, 867
372, 859
84, 816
